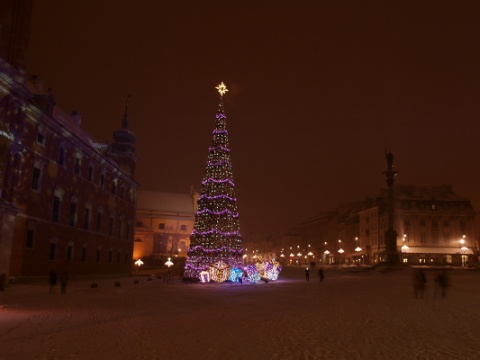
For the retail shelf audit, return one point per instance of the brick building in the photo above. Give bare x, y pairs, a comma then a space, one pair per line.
66, 202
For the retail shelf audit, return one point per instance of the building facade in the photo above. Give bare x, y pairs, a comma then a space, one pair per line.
435, 226
67, 203
164, 223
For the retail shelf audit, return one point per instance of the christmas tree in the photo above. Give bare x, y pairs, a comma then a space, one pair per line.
215, 244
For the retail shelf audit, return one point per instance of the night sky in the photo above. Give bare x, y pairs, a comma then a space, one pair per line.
318, 91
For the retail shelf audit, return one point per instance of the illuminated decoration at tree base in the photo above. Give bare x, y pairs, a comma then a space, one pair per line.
220, 272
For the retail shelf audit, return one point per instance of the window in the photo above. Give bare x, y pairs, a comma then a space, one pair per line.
110, 226
29, 239
446, 238
56, 209
99, 254
127, 235
110, 255
78, 164
120, 229
70, 251
423, 237
90, 173
73, 214
36, 178
102, 180
118, 257
114, 186
86, 219
40, 138
52, 251
161, 226
84, 253
98, 225
61, 156
183, 227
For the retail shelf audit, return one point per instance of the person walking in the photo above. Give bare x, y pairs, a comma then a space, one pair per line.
320, 274
307, 274
441, 284
419, 281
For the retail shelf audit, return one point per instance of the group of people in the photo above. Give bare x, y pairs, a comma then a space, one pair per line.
320, 274
53, 280
442, 282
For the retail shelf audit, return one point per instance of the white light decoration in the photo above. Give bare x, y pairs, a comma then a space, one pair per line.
358, 248
139, 262
405, 248
222, 88
204, 277
169, 262
310, 253
341, 251
219, 271
326, 252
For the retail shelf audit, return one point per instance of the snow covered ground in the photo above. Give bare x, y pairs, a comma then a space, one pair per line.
364, 315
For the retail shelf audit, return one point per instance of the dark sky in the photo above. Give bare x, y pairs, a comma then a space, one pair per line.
318, 91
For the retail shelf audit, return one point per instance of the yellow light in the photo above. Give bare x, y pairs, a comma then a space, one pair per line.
222, 88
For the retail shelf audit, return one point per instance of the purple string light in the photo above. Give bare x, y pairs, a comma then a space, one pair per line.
215, 231
218, 212
218, 181
224, 148
216, 197
222, 249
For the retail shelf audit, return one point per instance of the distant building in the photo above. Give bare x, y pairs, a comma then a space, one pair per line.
434, 226
67, 203
164, 222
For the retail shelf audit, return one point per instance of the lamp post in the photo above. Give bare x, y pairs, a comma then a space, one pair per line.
390, 234
463, 250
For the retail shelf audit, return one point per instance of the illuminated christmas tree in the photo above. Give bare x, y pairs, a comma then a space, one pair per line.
215, 243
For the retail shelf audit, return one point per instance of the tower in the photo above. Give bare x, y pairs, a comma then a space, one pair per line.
216, 239
123, 151
15, 21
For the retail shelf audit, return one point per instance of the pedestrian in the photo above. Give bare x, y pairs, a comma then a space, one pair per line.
441, 284
52, 279
307, 274
63, 281
320, 274
419, 281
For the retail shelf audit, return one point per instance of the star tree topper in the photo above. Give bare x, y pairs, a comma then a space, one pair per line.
222, 89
